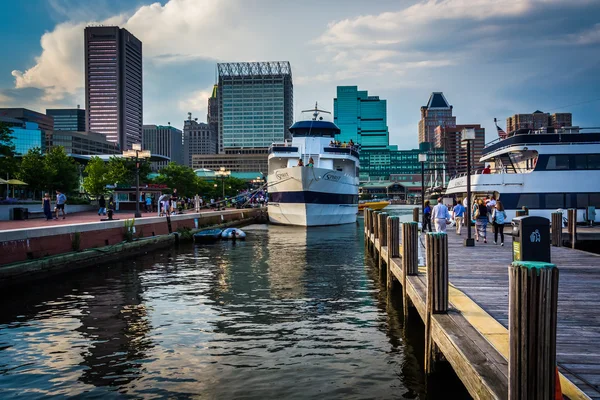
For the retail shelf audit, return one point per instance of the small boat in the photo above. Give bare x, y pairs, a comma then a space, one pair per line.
374, 205
208, 235
229, 233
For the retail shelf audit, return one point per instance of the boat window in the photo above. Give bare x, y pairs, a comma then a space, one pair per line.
593, 161
582, 200
529, 200
569, 200
555, 200
557, 162
595, 200
581, 161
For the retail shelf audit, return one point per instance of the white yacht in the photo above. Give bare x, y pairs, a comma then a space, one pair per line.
543, 171
324, 192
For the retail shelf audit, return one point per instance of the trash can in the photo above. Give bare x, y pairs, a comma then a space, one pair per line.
531, 239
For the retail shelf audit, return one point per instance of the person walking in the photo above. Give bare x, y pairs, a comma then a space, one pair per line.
481, 221
46, 206
148, 203
61, 200
498, 219
459, 213
427, 216
440, 216
101, 205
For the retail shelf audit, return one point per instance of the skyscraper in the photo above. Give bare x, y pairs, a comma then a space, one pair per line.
165, 141
255, 103
437, 112
361, 117
68, 119
113, 84
198, 138
212, 116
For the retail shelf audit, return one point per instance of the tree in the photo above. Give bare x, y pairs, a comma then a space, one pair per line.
8, 163
33, 170
96, 177
62, 171
122, 170
179, 177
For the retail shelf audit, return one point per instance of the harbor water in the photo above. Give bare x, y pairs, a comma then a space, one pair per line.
290, 313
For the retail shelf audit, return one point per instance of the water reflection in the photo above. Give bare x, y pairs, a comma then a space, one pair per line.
289, 313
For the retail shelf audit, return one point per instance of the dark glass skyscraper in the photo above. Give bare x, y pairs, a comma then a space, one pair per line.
113, 84
68, 119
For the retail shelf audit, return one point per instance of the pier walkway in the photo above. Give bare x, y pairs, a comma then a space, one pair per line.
481, 272
473, 335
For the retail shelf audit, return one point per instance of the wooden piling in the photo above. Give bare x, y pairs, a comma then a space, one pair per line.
572, 226
437, 288
393, 250
410, 258
416, 214
382, 226
532, 308
367, 216
557, 229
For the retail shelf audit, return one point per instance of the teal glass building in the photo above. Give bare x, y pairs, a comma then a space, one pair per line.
27, 137
361, 118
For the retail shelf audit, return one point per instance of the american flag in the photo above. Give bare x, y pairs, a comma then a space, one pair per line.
501, 133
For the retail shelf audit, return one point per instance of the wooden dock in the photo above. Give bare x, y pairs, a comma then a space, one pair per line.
473, 335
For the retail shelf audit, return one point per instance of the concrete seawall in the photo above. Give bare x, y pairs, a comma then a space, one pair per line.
34, 243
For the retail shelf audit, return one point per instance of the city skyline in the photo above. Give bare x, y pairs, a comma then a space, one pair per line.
484, 55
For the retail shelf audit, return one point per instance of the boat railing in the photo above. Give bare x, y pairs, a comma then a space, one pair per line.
342, 150
493, 171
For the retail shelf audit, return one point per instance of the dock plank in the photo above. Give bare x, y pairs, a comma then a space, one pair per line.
481, 272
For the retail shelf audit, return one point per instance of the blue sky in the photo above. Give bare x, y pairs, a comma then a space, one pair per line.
491, 58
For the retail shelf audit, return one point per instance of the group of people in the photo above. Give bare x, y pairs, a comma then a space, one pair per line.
61, 201
311, 162
482, 212
344, 145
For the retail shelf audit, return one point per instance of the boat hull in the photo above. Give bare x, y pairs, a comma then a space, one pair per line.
306, 196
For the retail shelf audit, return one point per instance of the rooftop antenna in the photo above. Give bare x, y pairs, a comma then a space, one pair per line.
189, 116
169, 123
78, 106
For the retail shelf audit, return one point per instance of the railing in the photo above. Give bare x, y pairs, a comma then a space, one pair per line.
283, 149
342, 150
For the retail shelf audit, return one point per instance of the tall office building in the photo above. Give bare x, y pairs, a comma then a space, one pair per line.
113, 84
212, 117
437, 112
198, 138
165, 141
68, 119
361, 118
255, 103
454, 151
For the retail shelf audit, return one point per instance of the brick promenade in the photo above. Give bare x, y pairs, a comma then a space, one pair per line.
75, 218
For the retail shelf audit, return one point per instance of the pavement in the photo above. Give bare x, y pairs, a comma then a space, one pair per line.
75, 218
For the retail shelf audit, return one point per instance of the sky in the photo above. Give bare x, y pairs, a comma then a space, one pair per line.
491, 58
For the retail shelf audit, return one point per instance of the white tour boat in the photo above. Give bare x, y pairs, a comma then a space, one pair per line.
324, 193
543, 171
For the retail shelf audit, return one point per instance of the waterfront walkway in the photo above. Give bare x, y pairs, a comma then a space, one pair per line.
80, 218
474, 335
481, 272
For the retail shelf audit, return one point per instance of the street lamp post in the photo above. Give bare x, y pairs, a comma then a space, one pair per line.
223, 174
423, 160
468, 135
138, 154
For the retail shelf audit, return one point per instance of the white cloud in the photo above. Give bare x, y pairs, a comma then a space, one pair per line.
197, 102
